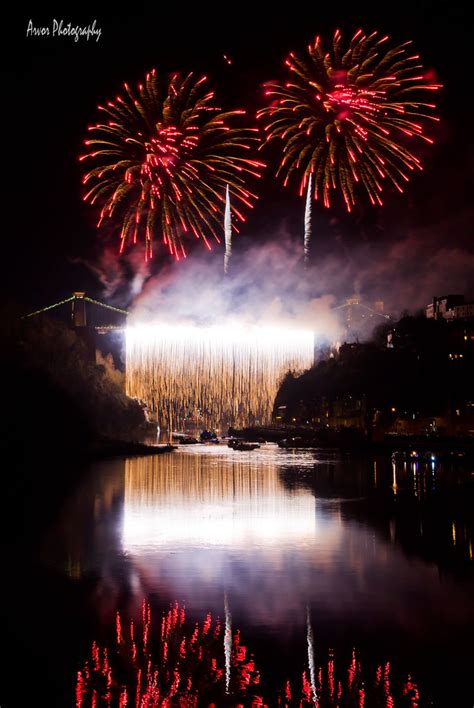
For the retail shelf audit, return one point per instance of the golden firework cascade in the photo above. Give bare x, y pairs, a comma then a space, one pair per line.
220, 375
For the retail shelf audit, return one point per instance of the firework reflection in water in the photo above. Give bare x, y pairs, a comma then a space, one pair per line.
171, 667
175, 666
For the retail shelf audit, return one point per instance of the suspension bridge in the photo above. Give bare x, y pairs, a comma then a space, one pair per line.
82, 310
360, 316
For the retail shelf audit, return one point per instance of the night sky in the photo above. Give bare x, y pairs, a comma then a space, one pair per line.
51, 87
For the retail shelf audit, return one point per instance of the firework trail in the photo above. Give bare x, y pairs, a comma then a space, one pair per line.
227, 642
351, 116
227, 231
310, 643
160, 161
307, 220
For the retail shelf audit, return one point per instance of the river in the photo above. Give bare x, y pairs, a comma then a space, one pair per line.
220, 577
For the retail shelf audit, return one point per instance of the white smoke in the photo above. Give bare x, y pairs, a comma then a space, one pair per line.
267, 286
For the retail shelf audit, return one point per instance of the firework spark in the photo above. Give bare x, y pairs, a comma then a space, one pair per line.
351, 116
162, 159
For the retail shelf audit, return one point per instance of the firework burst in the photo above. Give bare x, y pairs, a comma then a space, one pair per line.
162, 159
351, 116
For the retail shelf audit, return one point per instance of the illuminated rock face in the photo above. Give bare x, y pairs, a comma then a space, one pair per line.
222, 375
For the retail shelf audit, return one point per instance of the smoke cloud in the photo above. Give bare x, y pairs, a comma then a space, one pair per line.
121, 277
267, 283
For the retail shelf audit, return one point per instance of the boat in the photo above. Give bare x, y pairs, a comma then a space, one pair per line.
244, 446
208, 436
188, 440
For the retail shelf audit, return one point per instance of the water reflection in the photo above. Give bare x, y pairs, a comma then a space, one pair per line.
308, 554
176, 664
199, 524
199, 500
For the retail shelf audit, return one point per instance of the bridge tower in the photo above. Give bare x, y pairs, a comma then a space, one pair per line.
78, 313
82, 317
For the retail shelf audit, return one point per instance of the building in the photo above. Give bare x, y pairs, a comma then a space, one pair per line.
450, 307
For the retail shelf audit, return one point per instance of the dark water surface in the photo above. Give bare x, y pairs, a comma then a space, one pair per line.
331, 580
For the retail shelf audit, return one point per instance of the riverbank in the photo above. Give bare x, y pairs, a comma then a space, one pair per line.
355, 440
105, 448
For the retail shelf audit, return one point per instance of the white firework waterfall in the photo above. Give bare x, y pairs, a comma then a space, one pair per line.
219, 375
227, 231
307, 220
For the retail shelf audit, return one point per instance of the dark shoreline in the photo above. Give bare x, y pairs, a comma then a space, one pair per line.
102, 449
41, 488
356, 441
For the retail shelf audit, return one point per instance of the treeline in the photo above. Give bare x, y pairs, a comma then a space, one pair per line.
54, 394
414, 369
